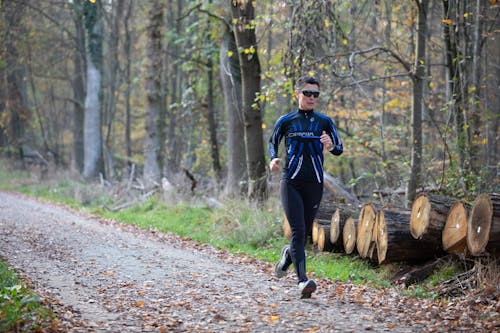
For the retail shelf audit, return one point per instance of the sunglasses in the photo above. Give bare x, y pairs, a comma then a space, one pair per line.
309, 93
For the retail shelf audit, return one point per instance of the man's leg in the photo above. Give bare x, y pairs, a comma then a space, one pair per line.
312, 194
293, 206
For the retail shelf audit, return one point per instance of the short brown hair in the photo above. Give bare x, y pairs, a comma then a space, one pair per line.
306, 79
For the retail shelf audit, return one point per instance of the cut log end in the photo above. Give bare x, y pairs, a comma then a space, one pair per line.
364, 235
479, 224
324, 243
349, 235
455, 230
314, 232
381, 237
335, 226
420, 213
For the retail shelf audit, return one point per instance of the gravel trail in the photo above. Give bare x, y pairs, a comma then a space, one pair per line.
105, 276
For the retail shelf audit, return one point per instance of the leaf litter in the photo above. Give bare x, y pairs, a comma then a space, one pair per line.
102, 275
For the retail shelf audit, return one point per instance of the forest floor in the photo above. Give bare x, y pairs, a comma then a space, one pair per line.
99, 275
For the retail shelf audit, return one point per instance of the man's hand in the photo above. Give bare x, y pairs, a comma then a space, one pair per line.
274, 165
326, 141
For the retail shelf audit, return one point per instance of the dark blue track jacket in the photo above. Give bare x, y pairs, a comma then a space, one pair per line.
304, 156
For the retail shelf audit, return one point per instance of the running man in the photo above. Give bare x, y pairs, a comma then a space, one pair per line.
307, 133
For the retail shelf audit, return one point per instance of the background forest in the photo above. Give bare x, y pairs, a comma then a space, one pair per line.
188, 91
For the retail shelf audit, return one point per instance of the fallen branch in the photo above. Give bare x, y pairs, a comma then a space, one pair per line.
459, 284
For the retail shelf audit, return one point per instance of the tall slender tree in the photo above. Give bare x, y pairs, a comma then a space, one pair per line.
211, 112
454, 64
418, 100
243, 14
155, 122
92, 128
128, 80
231, 86
17, 114
111, 71
78, 86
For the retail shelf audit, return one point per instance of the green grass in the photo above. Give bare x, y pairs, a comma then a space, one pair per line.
20, 309
181, 220
340, 267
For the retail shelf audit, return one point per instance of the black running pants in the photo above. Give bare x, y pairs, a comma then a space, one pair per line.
300, 202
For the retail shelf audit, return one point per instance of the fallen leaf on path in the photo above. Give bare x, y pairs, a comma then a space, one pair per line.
139, 304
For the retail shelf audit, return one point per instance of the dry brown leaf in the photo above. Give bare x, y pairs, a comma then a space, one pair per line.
139, 304
275, 318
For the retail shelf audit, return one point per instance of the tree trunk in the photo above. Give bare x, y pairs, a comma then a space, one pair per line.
212, 124
231, 86
492, 149
128, 83
364, 236
174, 149
78, 85
246, 41
475, 89
211, 115
454, 77
153, 153
455, 230
428, 216
483, 226
112, 69
3, 100
418, 100
339, 192
92, 165
17, 110
349, 235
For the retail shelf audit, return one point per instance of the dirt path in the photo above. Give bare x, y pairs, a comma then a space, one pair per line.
103, 276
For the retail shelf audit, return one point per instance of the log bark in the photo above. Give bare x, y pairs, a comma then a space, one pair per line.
326, 209
428, 216
394, 241
364, 235
454, 237
413, 275
338, 191
483, 225
349, 235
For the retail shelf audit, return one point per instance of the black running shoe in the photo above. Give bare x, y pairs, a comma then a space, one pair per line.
307, 288
279, 272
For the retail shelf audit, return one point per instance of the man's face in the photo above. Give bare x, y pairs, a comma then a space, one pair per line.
307, 102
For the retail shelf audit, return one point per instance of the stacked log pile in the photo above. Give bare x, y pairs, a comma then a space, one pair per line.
434, 226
